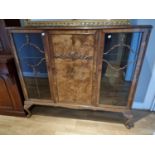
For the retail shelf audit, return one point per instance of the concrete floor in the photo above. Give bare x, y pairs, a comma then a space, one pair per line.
58, 121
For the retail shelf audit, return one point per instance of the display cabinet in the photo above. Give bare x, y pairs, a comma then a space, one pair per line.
80, 67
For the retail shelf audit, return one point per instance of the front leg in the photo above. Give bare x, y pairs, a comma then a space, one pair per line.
129, 119
27, 109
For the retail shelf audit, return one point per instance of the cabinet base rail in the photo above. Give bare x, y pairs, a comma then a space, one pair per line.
127, 114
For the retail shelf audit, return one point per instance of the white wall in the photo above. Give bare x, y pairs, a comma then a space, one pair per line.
146, 86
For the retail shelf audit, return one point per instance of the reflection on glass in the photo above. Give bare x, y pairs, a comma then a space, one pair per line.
118, 66
31, 57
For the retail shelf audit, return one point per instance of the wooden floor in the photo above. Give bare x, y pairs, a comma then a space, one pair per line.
56, 121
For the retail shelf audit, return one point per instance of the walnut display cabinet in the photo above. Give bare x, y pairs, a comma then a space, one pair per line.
80, 67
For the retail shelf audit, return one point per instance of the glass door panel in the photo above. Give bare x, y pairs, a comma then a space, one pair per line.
31, 56
118, 66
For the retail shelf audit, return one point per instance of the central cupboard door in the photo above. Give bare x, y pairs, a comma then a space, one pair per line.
73, 55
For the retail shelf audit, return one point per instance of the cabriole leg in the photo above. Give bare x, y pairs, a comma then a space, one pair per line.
128, 119
27, 109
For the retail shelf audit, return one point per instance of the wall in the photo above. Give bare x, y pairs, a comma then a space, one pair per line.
146, 91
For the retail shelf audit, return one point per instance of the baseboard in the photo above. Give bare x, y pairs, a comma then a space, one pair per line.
13, 113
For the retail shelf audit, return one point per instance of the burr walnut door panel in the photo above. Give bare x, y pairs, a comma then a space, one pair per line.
73, 56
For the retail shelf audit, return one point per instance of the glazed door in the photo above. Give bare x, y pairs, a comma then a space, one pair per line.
32, 61
119, 71
73, 55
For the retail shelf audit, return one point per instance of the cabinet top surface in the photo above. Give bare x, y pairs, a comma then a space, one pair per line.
81, 27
